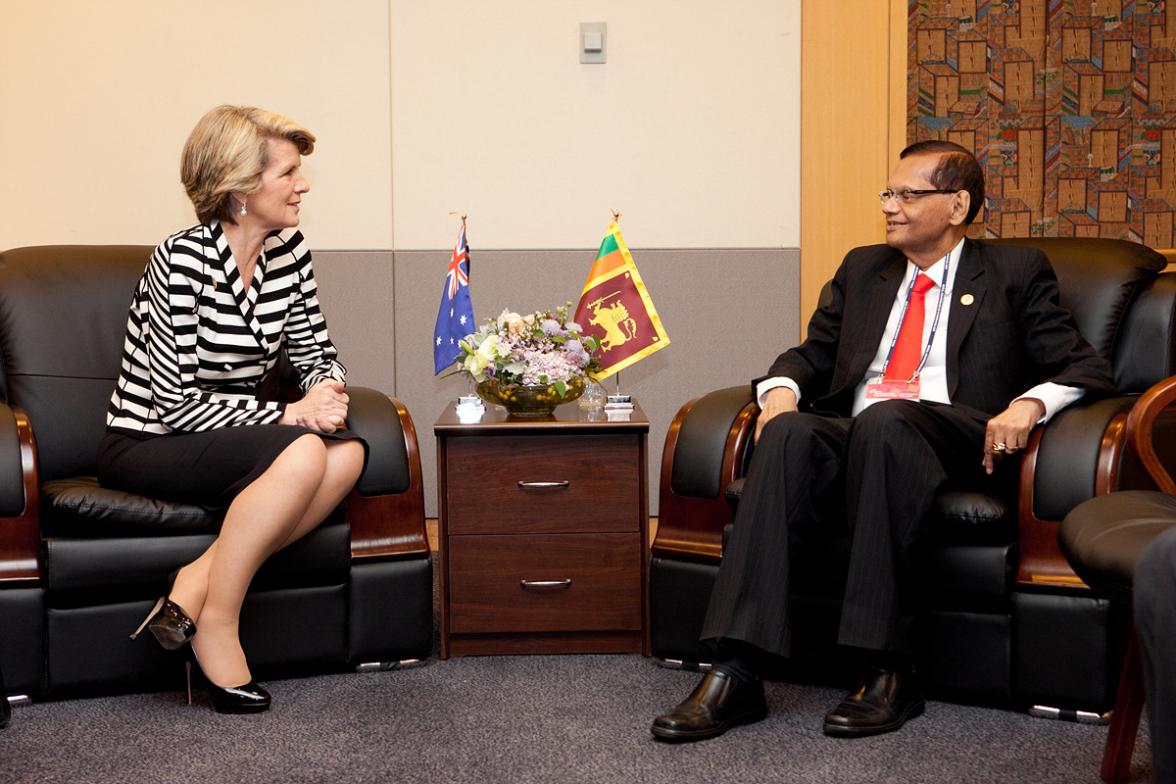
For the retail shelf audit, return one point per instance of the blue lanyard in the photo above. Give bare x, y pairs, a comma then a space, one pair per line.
934, 322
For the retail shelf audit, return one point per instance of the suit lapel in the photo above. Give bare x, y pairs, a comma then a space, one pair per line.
874, 312
967, 299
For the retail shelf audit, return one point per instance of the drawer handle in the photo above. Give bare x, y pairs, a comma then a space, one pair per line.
562, 485
545, 585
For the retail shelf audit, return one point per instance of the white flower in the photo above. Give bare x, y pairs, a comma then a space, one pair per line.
482, 350
489, 350
506, 318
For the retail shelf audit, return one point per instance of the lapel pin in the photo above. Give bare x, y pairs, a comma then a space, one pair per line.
967, 299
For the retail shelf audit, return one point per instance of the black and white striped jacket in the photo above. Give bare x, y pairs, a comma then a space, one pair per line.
197, 343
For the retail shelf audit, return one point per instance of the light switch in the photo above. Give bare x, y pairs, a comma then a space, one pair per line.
593, 40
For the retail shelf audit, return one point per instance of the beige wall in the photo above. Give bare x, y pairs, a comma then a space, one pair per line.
97, 99
691, 129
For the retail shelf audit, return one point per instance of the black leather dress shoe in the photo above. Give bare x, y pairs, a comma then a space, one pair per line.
719, 702
882, 703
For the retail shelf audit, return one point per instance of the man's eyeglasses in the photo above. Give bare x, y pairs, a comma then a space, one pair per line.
906, 196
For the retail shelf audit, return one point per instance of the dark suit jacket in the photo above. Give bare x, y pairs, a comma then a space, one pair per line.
1013, 335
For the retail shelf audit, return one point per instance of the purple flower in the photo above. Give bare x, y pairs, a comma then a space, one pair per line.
550, 326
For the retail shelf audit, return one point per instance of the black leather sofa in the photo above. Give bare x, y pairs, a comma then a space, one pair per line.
81, 565
1004, 621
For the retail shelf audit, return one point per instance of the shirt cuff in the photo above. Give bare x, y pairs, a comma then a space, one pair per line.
1054, 397
763, 387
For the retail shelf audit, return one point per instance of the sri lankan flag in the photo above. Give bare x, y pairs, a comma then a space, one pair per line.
616, 309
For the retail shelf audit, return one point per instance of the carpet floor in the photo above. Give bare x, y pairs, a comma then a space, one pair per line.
524, 719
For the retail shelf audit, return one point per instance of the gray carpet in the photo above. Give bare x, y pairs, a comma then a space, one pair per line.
523, 719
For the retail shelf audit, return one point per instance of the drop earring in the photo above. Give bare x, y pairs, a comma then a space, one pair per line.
243, 210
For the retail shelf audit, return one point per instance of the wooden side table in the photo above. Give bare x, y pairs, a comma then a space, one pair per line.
543, 529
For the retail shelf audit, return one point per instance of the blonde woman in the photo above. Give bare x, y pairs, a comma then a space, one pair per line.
215, 306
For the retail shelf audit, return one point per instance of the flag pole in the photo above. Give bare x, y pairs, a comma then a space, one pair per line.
617, 220
469, 406
469, 379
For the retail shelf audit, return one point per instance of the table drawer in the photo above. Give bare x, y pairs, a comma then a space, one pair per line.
597, 582
573, 483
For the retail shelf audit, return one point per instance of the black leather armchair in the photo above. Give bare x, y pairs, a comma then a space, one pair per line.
1104, 538
80, 565
1005, 620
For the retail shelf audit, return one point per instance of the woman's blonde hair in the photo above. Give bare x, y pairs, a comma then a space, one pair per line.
226, 153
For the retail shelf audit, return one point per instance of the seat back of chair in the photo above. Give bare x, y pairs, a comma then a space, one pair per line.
63, 316
1122, 304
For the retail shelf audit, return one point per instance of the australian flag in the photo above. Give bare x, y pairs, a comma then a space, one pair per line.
455, 317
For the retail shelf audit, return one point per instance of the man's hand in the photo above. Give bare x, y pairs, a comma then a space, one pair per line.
778, 400
323, 408
1009, 430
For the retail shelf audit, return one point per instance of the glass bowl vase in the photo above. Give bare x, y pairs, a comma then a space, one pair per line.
529, 401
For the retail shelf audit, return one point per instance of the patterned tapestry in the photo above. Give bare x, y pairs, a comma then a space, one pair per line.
1070, 105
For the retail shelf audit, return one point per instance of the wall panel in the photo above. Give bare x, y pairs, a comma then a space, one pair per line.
853, 88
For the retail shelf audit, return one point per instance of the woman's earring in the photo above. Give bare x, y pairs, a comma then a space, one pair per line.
243, 210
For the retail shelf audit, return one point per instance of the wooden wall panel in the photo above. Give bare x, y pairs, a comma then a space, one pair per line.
853, 125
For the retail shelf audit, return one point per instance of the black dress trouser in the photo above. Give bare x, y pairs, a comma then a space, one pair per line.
1155, 622
875, 476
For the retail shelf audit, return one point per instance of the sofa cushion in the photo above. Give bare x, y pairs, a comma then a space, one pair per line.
61, 371
80, 507
972, 518
78, 571
959, 517
1104, 537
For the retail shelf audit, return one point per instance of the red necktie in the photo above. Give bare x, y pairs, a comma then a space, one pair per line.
908, 349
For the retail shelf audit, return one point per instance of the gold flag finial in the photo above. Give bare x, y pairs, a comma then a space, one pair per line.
616, 215
458, 212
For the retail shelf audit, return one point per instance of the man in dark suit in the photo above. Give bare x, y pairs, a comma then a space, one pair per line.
934, 358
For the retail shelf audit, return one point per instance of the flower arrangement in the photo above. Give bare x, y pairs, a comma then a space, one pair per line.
540, 349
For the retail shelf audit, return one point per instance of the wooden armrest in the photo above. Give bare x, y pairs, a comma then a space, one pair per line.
1040, 561
1141, 424
1119, 465
691, 527
392, 526
20, 540
1127, 437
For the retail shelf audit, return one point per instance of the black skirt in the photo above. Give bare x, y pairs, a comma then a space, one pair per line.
207, 469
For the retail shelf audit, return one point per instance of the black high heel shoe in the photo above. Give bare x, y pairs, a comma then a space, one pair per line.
169, 624
249, 698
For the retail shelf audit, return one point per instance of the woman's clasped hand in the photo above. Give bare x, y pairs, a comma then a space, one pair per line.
323, 408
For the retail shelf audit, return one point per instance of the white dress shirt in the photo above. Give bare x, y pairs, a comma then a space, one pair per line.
933, 377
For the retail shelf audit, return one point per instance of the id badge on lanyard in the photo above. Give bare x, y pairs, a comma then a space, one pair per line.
893, 389
883, 388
